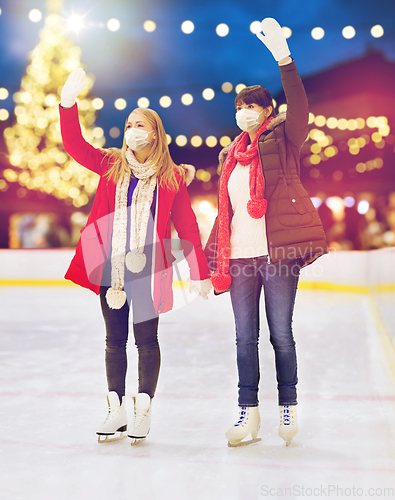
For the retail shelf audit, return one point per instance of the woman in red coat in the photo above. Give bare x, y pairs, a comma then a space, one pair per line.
124, 253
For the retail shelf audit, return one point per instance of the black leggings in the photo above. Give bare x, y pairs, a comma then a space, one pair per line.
145, 329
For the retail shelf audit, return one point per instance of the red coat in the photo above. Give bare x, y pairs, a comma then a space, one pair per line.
93, 249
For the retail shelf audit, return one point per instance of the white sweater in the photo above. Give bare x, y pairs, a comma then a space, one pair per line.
248, 235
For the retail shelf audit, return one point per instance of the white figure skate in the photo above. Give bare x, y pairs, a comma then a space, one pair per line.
248, 423
141, 418
288, 422
115, 425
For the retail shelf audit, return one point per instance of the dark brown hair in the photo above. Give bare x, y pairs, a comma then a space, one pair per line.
255, 95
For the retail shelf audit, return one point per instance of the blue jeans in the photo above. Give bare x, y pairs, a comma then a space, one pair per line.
280, 283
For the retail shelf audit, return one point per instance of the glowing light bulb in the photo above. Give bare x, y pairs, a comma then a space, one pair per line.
317, 33
149, 26
113, 24
35, 15
196, 141
181, 141
208, 94
187, 99
348, 32
377, 31
187, 27
205, 206
75, 22
143, 102
121, 104
255, 27
363, 207
165, 101
227, 87
349, 201
222, 29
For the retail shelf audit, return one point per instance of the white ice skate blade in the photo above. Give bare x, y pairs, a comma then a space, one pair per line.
136, 440
244, 443
110, 438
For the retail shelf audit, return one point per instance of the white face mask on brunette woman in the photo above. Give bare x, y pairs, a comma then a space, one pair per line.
247, 119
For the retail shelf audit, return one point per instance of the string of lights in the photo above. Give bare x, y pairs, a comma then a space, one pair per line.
36, 155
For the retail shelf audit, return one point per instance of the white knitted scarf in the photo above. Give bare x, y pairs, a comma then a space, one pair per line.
135, 260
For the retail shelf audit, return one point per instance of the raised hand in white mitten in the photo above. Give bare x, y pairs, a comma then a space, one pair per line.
73, 86
274, 38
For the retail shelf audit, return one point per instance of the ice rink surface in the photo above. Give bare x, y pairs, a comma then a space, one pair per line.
53, 396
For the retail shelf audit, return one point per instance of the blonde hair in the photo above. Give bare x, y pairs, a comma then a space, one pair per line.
167, 169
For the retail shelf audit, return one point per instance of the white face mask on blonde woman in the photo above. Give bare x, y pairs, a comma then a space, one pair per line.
136, 139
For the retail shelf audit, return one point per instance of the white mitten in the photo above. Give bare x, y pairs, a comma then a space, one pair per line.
73, 86
274, 38
202, 287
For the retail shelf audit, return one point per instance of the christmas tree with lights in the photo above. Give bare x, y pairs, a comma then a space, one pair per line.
36, 154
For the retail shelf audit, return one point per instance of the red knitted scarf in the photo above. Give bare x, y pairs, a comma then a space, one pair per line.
256, 206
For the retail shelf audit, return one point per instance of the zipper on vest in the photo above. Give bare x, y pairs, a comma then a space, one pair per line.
264, 192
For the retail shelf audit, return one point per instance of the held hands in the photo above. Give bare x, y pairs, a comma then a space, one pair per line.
202, 287
274, 39
73, 86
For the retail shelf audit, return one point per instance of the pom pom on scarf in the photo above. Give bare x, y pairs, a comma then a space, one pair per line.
256, 208
221, 281
135, 261
115, 298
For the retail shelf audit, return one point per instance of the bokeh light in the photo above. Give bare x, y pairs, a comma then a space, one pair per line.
187, 99
3, 93
377, 31
227, 87
222, 29
187, 27
165, 101
143, 102
211, 141
113, 24
240, 87
348, 32
208, 94
317, 202
121, 104
97, 103
196, 141
181, 141
115, 132
149, 26
363, 207
349, 201
75, 22
205, 206
317, 33
255, 27
225, 140
35, 15
4, 115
